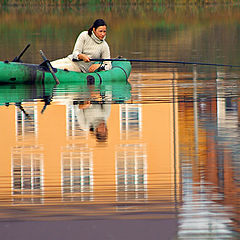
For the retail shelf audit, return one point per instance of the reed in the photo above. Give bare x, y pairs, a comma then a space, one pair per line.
99, 2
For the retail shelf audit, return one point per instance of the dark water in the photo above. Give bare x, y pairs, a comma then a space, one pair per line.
167, 163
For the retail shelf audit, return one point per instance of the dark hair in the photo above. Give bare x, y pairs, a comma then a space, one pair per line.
96, 24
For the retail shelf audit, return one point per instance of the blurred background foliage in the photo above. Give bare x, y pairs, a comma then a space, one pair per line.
89, 2
153, 29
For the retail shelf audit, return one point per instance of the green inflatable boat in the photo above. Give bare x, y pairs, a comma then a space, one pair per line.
16, 72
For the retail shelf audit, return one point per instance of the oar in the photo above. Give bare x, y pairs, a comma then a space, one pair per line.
49, 66
47, 98
19, 105
158, 61
47, 101
17, 59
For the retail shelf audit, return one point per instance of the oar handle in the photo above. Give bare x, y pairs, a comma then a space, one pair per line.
49, 66
17, 59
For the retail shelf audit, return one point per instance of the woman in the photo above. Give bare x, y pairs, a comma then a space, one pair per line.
89, 44
93, 118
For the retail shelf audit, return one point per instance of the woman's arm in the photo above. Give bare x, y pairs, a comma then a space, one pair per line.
94, 67
106, 55
78, 47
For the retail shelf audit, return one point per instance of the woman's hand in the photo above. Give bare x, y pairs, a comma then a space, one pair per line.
85, 105
94, 67
84, 57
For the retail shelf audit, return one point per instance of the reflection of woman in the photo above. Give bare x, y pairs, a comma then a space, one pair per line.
93, 117
89, 44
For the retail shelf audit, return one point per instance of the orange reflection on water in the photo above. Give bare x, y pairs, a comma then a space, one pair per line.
54, 158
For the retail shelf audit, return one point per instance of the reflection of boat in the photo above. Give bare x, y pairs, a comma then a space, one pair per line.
17, 93
15, 72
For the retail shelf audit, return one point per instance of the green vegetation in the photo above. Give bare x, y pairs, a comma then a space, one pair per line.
99, 2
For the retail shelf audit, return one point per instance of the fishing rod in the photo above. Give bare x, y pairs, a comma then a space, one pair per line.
158, 61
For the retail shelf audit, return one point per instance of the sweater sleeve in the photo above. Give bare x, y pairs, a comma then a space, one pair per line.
78, 47
106, 54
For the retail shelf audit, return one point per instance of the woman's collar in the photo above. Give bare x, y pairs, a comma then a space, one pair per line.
96, 39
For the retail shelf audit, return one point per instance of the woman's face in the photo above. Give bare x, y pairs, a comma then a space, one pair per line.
100, 32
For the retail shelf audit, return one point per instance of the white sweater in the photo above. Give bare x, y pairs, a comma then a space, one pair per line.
93, 115
92, 47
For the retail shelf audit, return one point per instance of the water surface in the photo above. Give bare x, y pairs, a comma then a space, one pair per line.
167, 147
